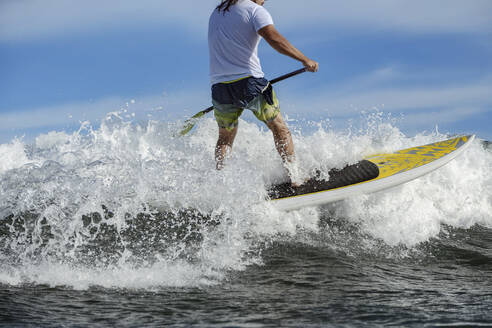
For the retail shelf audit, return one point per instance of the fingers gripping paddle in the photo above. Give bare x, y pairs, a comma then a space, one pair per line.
190, 123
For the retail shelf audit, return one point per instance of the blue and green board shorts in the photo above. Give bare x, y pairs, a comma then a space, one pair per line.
231, 98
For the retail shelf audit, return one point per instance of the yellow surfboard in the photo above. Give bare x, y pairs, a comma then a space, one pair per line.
374, 173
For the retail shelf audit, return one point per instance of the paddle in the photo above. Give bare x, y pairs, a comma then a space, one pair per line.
190, 123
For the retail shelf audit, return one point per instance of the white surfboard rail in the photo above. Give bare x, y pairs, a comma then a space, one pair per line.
332, 195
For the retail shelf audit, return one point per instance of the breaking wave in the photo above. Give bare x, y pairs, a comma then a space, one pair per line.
130, 205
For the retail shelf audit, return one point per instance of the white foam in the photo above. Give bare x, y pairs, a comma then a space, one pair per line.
12, 155
458, 194
125, 166
178, 274
51, 139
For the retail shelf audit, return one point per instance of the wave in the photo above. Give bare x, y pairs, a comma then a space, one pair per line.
130, 205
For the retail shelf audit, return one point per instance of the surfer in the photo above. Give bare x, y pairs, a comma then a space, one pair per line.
237, 79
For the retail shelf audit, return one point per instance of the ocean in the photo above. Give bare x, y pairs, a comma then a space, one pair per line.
126, 225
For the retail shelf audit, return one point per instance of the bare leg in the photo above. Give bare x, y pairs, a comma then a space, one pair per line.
282, 138
224, 146
284, 144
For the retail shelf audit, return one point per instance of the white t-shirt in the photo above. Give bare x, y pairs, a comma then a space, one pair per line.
233, 41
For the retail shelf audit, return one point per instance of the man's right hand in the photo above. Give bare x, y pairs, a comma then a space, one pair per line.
311, 65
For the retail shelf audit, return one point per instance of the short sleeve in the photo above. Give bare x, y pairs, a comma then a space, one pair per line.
261, 18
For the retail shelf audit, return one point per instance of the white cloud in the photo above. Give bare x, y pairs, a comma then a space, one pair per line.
33, 19
174, 106
394, 15
440, 117
60, 115
379, 88
400, 99
421, 105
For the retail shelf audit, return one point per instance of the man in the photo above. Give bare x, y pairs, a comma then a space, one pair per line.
238, 82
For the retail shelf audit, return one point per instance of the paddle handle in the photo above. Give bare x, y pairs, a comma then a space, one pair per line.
275, 80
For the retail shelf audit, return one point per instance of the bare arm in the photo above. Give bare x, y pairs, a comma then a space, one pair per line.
282, 45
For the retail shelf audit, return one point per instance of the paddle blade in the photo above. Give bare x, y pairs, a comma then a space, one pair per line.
190, 123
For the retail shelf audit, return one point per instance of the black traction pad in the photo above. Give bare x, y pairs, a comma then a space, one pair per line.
349, 175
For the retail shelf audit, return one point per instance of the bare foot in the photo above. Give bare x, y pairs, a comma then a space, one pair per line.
297, 184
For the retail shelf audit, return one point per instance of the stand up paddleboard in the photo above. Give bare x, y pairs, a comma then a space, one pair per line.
375, 173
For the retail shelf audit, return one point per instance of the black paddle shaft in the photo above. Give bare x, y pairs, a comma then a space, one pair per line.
278, 79
286, 76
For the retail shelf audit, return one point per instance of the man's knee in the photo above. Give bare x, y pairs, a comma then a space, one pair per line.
278, 126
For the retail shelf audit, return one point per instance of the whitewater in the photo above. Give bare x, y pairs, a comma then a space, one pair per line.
128, 208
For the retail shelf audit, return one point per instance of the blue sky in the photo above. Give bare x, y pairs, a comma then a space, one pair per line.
426, 63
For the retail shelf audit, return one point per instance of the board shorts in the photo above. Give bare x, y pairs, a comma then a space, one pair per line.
231, 98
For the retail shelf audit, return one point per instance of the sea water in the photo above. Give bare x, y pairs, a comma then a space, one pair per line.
126, 224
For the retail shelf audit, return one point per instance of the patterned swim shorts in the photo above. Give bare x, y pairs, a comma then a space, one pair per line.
231, 98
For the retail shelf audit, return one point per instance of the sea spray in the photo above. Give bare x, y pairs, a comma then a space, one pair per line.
130, 205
